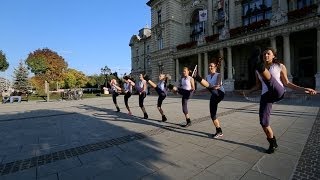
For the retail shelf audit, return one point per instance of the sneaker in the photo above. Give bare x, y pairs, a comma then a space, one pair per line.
145, 116
118, 109
164, 118
187, 124
194, 72
217, 135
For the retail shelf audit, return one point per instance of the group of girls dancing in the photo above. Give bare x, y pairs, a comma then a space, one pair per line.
271, 77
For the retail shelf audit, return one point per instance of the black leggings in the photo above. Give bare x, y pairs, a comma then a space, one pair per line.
141, 99
126, 98
185, 97
114, 97
162, 96
216, 98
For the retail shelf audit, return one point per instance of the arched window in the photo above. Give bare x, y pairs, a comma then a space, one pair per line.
197, 27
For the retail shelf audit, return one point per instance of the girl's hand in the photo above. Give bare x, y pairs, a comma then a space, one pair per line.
310, 91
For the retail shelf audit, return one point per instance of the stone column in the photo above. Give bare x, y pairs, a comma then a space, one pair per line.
317, 76
229, 83
286, 54
273, 43
199, 64
229, 59
222, 64
177, 70
205, 71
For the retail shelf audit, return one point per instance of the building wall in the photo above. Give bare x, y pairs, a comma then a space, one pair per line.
176, 30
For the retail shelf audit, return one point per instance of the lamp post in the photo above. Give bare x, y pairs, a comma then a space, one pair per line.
160, 65
106, 71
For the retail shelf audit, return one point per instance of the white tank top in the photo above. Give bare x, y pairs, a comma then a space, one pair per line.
185, 83
212, 80
127, 87
275, 71
140, 85
162, 86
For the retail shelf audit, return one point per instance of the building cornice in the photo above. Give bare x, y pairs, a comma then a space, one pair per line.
265, 34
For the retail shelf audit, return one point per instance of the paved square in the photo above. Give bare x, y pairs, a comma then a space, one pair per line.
87, 139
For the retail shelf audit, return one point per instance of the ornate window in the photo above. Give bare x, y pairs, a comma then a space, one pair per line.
299, 4
256, 10
160, 41
197, 27
159, 16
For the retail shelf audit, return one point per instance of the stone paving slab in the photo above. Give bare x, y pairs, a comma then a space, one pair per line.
87, 140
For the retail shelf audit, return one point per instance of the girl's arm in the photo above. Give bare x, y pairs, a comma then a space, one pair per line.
287, 83
218, 83
192, 84
117, 87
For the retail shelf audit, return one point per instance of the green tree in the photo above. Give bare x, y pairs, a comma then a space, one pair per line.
21, 81
4, 65
48, 63
74, 79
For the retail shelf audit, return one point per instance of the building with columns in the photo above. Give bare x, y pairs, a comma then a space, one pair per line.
192, 32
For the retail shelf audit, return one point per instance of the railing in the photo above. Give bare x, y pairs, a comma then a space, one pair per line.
248, 28
300, 13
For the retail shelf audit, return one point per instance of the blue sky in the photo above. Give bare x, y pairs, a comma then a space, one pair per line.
88, 34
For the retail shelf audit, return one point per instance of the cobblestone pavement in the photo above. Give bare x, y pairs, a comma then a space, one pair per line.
86, 139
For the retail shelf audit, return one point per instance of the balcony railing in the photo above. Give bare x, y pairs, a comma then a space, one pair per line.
248, 28
212, 38
187, 45
303, 12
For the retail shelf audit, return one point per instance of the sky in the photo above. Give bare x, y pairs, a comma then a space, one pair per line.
88, 34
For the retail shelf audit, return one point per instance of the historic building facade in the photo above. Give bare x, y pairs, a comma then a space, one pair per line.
191, 32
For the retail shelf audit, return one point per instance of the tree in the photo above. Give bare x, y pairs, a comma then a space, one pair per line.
4, 65
21, 74
74, 79
48, 63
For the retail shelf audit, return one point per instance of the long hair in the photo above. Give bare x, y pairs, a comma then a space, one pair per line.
275, 59
217, 61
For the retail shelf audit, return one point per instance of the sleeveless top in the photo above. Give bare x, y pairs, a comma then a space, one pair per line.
212, 80
185, 83
275, 71
140, 86
161, 85
127, 87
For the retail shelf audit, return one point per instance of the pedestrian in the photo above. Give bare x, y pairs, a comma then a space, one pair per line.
186, 89
213, 83
161, 89
115, 89
142, 89
129, 83
271, 75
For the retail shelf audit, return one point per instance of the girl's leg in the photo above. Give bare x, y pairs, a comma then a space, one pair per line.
126, 99
185, 111
141, 99
114, 98
214, 100
264, 115
152, 84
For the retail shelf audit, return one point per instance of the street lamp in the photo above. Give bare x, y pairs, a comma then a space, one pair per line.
160, 65
106, 71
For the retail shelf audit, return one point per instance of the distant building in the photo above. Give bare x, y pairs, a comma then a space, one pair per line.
4, 84
190, 32
140, 52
